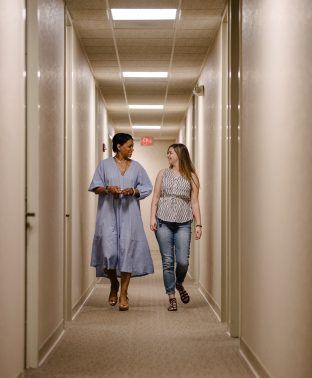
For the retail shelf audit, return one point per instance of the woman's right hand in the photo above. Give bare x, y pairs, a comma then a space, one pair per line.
114, 190
153, 224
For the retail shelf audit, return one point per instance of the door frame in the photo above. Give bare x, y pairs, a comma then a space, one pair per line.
68, 314
234, 226
32, 186
225, 164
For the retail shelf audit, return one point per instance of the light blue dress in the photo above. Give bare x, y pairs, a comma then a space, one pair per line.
120, 242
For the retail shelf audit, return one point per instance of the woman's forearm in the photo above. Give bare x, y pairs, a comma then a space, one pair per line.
154, 207
101, 190
196, 213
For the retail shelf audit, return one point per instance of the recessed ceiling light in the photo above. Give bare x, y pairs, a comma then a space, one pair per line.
143, 14
144, 74
146, 106
146, 127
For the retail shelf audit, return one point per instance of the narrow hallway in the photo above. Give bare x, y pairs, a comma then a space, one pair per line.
147, 341
230, 80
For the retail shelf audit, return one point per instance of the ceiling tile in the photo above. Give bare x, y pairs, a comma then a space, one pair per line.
86, 24
151, 65
195, 33
142, 46
193, 42
98, 42
144, 90
94, 33
100, 57
144, 33
100, 50
144, 56
146, 117
159, 24
203, 4
85, 4
199, 20
89, 15
152, 98
143, 42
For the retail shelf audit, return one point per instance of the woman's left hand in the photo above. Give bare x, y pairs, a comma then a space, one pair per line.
128, 192
198, 233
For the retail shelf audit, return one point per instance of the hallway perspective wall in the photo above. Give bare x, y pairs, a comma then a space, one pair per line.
84, 162
189, 128
101, 134
153, 158
189, 144
12, 190
51, 167
209, 169
276, 160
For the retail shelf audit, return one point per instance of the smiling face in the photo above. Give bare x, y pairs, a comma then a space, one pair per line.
126, 149
172, 156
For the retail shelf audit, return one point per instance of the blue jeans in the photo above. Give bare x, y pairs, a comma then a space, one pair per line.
174, 243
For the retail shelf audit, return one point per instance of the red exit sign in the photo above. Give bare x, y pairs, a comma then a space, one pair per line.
146, 141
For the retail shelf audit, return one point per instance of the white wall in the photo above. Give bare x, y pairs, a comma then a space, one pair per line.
209, 170
12, 190
84, 162
189, 129
276, 112
51, 166
153, 158
102, 132
182, 134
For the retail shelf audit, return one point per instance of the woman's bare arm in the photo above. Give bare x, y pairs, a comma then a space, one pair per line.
195, 206
155, 199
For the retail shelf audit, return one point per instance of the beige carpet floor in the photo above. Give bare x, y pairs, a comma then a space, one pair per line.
146, 341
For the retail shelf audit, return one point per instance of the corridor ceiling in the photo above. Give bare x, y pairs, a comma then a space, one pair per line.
178, 46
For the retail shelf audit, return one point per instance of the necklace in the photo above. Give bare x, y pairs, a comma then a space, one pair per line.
120, 161
124, 163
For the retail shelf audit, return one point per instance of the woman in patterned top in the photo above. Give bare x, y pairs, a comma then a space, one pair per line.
174, 205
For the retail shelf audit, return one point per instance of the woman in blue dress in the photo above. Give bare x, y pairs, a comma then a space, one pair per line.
120, 247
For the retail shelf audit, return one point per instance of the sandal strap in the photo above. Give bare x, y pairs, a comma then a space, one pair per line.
173, 304
185, 298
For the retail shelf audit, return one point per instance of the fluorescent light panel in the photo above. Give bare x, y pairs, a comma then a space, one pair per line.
144, 74
143, 14
150, 127
146, 106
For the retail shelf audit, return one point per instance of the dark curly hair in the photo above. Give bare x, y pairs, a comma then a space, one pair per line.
120, 138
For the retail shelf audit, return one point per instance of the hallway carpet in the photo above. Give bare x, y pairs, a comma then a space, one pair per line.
147, 341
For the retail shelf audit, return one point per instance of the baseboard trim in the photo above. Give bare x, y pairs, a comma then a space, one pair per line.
252, 361
59, 331
82, 300
210, 300
51, 342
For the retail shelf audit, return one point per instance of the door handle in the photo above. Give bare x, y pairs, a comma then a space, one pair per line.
30, 214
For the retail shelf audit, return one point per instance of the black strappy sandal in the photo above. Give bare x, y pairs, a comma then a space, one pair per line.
173, 304
185, 298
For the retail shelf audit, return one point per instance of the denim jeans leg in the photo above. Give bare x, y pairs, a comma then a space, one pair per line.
164, 236
182, 240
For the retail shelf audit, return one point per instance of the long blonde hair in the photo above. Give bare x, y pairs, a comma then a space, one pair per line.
186, 166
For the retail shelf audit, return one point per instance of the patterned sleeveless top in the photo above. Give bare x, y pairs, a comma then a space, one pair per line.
175, 199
